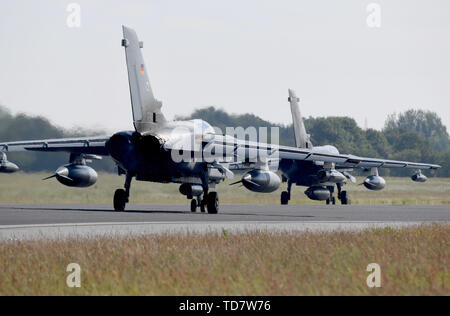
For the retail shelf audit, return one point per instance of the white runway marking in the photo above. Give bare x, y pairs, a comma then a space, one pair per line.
87, 230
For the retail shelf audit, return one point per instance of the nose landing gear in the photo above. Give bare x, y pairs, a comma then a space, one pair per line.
194, 205
331, 200
343, 195
286, 195
210, 203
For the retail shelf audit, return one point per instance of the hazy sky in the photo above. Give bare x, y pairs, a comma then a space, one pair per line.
240, 55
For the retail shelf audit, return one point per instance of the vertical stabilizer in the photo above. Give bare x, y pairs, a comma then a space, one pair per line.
147, 115
302, 139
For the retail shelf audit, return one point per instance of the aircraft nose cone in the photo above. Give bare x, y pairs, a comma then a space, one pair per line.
8, 167
14, 167
62, 171
247, 177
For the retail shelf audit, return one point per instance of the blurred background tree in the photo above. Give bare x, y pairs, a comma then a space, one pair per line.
24, 127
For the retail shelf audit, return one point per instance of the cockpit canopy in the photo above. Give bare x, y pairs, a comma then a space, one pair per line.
327, 149
203, 126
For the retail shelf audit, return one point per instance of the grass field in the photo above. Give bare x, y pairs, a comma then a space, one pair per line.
29, 188
413, 261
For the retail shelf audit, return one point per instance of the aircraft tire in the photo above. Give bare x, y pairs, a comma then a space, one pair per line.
120, 200
212, 203
344, 198
284, 198
203, 206
194, 205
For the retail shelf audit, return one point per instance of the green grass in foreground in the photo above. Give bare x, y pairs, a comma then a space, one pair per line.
29, 188
413, 261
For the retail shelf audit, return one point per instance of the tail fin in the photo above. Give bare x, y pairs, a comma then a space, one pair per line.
147, 115
302, 139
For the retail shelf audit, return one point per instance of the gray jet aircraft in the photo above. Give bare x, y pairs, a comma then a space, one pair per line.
321, 177
192, 153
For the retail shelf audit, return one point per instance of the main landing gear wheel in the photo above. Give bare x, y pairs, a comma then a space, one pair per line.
120, 200
212, 202
345, 200
203, 206
194, 205
121, 196
284, 198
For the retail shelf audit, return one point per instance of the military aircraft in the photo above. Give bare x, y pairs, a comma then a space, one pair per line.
321, 177
190, 153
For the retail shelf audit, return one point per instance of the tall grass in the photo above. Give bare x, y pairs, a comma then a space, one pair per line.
413, 261
29, 188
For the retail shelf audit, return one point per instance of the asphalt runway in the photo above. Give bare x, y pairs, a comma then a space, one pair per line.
55, 221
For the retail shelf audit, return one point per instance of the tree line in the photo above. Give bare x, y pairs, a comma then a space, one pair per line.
25, 127
414, 135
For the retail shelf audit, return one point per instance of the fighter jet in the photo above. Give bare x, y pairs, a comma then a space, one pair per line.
190, 153
321, 177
